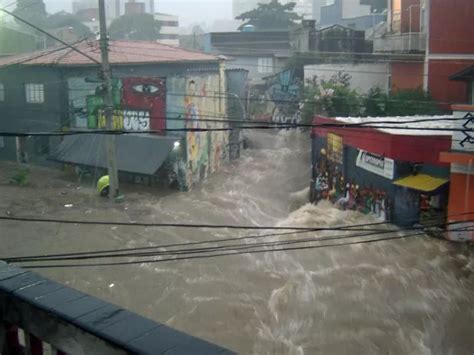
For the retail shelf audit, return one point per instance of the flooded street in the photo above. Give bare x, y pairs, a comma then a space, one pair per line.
409, 296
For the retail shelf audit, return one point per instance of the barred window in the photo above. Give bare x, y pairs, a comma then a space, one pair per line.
34, 93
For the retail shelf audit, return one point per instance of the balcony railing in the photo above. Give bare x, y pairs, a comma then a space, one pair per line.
401, 43
39, 316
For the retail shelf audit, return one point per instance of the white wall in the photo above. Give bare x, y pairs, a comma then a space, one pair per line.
352, 8
317, 4
364, 76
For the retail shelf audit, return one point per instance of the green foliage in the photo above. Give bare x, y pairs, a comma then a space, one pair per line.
20, 177
331, 97
271, 16
33, 11
138, 27
400, 103
411, 102
335, 98
64, 19
376, 102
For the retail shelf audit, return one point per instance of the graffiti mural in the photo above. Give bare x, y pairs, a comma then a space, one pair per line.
205, 151
330, 183
139, 104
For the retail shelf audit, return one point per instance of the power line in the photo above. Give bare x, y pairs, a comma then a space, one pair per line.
50, 35
226, 129
129, 252
231, 253
180, 225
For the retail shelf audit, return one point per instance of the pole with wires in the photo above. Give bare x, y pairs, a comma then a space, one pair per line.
108, 109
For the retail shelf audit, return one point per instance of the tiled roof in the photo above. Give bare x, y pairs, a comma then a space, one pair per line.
120, 52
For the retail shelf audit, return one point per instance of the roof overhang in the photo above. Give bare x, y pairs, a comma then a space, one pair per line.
421, 182
136, 153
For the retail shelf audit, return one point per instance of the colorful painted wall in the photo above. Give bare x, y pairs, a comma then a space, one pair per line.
196, 101
139, 104
361, 171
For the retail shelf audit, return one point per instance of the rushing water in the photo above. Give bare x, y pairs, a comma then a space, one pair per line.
412, 296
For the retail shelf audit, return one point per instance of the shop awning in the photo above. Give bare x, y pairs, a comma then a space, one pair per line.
421, 182
136, 153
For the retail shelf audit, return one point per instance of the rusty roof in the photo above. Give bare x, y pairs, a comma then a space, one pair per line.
120, 52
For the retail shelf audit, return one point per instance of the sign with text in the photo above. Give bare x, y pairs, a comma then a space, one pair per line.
376, 164
129, 120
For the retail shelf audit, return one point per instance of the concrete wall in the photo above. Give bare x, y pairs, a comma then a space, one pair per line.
364, 76
352, 8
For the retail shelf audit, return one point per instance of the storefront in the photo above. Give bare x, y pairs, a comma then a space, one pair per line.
397, 177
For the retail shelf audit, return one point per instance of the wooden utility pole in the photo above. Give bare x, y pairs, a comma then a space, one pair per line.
108, 100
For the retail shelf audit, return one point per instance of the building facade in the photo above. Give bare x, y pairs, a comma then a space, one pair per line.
350, 13
61, 91
436, 38
262, 53
395, 175
169, 29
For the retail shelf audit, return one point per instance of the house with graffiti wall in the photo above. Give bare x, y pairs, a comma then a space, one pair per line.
394, 173
159, 91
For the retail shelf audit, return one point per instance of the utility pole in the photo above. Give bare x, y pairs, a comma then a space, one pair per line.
108, 109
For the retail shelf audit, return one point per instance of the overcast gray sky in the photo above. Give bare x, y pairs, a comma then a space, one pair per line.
189, 11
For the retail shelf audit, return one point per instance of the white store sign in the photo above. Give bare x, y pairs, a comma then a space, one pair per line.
136, 120
376, 164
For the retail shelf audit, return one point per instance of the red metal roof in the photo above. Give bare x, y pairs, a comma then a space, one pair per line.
410, 148
120, 52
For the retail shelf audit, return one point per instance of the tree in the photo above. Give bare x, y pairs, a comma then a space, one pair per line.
33, 11
140, 27
271, 16
64, 19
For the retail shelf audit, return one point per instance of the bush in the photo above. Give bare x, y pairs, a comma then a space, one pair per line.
20, 177
411, 102
331, 97
334, 97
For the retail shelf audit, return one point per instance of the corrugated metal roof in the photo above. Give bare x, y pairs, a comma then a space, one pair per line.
120, 52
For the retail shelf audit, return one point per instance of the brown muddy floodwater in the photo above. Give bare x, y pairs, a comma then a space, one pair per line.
411, 296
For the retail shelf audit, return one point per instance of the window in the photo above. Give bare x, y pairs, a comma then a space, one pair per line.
265, 65
2, 92
34, 93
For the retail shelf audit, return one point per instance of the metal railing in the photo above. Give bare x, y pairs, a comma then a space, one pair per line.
39, 316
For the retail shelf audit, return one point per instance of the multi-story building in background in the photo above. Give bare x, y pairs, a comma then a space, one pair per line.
350, 13
433, 40
169, 29
115, 8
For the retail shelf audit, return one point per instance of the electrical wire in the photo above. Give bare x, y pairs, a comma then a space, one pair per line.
50, 35
221, 254
126, 252
296, 230
224, 129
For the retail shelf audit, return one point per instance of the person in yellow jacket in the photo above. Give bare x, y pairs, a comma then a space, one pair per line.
103, 186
